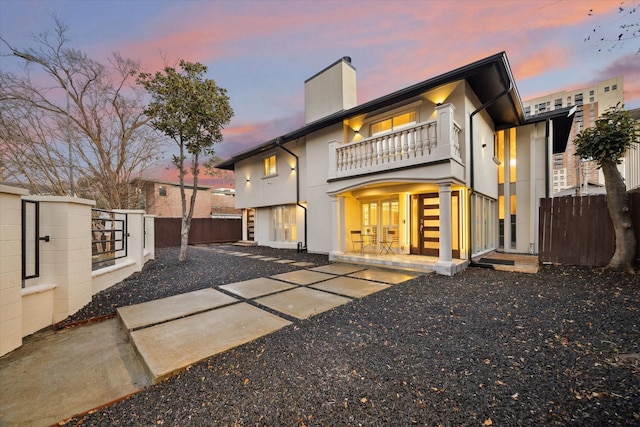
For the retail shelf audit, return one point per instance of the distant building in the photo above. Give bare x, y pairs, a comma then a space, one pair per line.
162, 199
223, 203
568, 169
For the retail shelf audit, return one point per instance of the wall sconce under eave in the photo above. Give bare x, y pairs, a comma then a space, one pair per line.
248, 180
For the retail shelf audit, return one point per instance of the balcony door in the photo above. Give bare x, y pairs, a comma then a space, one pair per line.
426, 224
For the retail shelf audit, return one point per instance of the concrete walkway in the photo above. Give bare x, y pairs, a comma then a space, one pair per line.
55, 376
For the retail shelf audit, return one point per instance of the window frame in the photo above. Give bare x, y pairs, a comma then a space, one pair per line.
268, 170
284, 228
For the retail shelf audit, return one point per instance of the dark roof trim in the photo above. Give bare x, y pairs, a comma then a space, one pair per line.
562, 120
498, 62
345, 59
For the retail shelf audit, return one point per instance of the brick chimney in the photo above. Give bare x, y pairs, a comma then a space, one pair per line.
331, 90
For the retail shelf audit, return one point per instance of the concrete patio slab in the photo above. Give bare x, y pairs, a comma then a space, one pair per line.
339, 269
170, 347
165, 309
355, 288
285, 261
240, 254
56, 375
385, 276
268, 259
303, 277
302, 303
303, 264
257, 287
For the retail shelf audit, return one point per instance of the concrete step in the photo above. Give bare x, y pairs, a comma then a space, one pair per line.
163, 310
169, 347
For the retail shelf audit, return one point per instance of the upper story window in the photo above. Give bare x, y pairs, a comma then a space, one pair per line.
393, 123
614, 87
606, 88
162, 190
269, 166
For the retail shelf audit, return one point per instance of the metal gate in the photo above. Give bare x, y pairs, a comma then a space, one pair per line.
109, 234
31, 240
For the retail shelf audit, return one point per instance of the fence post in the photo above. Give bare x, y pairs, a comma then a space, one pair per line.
135, 238
149, 237
10, 268
65, 261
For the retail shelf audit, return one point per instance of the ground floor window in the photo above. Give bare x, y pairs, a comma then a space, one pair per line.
283, 223
484, 221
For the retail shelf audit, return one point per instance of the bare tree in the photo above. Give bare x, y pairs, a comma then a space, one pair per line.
219, 174
74, 125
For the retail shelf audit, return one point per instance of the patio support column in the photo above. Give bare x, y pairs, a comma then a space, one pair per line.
445, 264
337, 226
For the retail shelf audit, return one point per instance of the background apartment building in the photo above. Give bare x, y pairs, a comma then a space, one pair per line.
569, 171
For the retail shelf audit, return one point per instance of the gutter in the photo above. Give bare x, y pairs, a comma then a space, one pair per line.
278, 143
471, 168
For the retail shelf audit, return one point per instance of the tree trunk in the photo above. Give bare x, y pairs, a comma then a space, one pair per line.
184, 238
619, 210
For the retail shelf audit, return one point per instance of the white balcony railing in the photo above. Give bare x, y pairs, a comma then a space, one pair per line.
423, 143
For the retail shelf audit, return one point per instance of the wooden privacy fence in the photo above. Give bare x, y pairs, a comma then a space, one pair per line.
579, 231
203, 230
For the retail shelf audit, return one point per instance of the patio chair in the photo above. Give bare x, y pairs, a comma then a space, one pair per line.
356, 239
387, 242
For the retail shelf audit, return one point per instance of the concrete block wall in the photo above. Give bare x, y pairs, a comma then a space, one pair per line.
10, 268
66, 281
65, 260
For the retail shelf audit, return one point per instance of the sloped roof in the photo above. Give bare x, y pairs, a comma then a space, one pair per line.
488, 77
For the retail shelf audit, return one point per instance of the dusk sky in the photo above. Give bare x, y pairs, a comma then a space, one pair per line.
263, 51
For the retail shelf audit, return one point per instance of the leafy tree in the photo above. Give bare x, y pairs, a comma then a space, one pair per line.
614, 133
74, 125
192, 111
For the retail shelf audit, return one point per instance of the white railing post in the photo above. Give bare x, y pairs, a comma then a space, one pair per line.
334, 156
446, 127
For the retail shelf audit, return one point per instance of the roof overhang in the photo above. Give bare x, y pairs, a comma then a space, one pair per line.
487, 77
561, 119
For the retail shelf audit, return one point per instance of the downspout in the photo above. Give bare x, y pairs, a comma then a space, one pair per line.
471, 168
279, 144
546, 159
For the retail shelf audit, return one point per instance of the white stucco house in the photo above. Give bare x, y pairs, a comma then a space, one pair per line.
445, 170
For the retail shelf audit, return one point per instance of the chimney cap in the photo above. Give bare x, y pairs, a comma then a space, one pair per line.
347, 59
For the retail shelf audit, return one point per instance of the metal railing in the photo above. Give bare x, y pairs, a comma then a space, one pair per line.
109, 234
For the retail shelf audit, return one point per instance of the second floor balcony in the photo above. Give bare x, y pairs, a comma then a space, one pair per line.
426, 142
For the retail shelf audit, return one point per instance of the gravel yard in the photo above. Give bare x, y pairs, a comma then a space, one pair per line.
481, 348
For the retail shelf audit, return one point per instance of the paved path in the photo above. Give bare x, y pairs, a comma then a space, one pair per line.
54, 376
